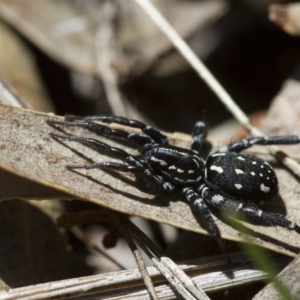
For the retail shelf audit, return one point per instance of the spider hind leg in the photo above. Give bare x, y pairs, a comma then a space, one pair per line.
243, 144
250, 211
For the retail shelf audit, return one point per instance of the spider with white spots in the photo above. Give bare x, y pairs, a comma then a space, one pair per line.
228, 180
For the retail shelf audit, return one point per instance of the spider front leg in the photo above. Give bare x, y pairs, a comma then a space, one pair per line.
138, 138
253, 212
134, 166
201, 211
243, 144
156, 135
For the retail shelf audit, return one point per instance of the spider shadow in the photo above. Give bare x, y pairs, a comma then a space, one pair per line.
136, 183
114, 174
154, 201
77, 153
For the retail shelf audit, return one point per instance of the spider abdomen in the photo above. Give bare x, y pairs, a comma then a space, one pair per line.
241, 176
177, 165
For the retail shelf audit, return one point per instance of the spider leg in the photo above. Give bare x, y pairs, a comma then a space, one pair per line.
140, 139
198, 135
134, 166
106, 165
97, 145
201, 211
247, 143
155, 182
156, 135
253, 212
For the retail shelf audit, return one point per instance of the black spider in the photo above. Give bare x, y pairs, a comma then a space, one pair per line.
227, 180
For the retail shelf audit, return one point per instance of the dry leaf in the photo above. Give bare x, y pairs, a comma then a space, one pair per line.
29, 151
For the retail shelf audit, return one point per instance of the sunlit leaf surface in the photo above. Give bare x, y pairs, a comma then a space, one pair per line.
27, 150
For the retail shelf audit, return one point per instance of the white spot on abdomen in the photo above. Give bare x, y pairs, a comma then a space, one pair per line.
238, 186
238, 171
264, 188
216, 168
252, 173
240, 158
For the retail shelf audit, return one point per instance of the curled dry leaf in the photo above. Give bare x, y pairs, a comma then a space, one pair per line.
28, 151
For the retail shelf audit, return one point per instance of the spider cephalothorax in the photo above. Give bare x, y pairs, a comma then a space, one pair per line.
228, 179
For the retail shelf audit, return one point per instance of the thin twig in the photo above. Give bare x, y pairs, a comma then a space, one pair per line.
184, 284
194, 61
113, 284
126, 233
106, 53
